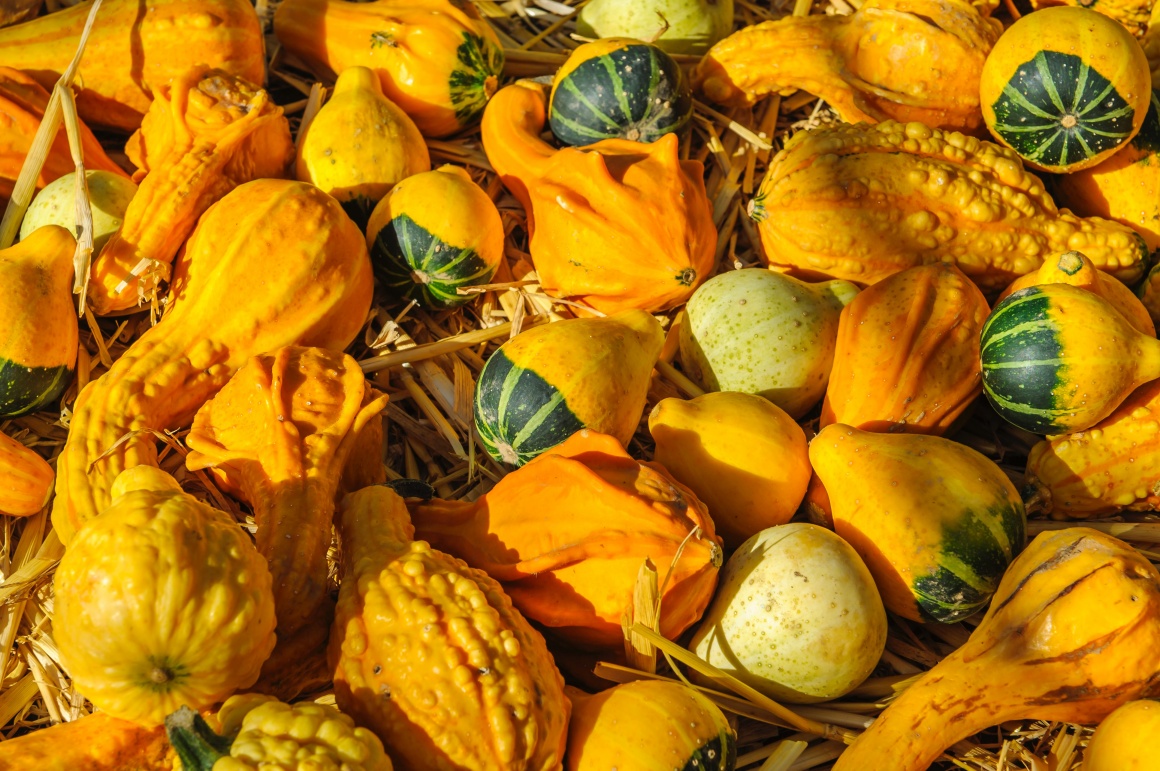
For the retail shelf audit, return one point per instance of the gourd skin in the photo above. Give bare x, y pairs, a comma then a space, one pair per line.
936, 522
109, 197
293, 269
1072, 633
907, 354
862, 202
608, 513
436, 59
163, 601
743, 456
38, 321
25, 479
133, 50
1122, 741
430, 655
206, 133
96, 742
1150, 42
904, 60
691, 26
615, 225
1133, 14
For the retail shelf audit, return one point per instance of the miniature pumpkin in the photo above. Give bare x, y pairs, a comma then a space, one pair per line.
1122, 742
25, 479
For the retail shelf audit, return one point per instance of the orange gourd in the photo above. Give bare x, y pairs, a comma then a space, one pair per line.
25, 479
96, 742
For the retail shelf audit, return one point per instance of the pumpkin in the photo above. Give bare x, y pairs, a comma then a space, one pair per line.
648, 725
1122, 741
273, 263
96, 742
430, 655
936, 522
550, 381
575, 572
109, 195
1072, 633
1065, 87
181, 581
743, 456
766, 333
862, 202
436, 59
1059, 358
130, 53
25, 479
907, 353
905, 60
433, 233
38, 321
616, 225
618, 88
360, 144
690, 26
797, 616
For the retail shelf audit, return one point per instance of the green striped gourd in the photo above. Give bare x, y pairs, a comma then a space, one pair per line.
551, 381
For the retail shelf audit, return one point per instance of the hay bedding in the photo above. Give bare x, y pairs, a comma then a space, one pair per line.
427, 363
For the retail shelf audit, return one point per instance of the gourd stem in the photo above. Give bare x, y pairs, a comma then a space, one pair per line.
195, 743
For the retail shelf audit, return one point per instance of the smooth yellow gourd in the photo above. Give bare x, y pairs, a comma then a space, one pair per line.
1126, 739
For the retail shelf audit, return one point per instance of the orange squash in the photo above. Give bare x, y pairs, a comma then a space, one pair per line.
25, 479
96, 742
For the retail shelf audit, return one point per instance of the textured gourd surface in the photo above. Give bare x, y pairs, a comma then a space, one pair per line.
1123, 740
608, 513
691, 26
1133, 14
1072, 633
109, 197
25, 479
430, 655
96, 742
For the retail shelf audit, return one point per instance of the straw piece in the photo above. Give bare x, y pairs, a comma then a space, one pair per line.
450, 345
783, 756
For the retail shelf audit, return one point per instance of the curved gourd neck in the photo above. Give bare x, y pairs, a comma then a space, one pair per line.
511, 127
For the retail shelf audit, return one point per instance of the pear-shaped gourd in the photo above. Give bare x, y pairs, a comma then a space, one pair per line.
360, 144
1126, 739
551, 381
56, 204
764, 333
684, 26
936, 522
38, 322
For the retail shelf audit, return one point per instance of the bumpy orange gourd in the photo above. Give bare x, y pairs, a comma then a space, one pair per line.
430, 655
96, 742
278, 436
25, 479
615, 225
273, 263
134, 49
1072, 633
575, 572
907, 357
206, 133
906, 60
1123, 740
22, 104
862, 202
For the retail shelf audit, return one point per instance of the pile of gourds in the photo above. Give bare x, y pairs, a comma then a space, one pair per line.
981, 225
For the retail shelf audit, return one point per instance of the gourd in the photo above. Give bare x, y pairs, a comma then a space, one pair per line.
566, 536
907, 353
1133, 14
936, 522
96, 742
22, 105
181, 581
765, 333
618, 88
685, 26
550, 381
436, 59
743, 456
258, 732
131, 53
430, 655
360, 144
273, 263
904, 60
434, 233
862, 202
1122, 740
278, 436
648, 725
38, 322
1125, 187
206, 133
25, 479
1150, 42
1059, 358
109, 196
1072, 633
1065, 87
797, 616
616, 225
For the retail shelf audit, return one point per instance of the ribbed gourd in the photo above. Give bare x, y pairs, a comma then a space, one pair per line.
433, 234
1059, 358
618, 88
25, 479
550, 381
1065, 87
430, 655
937, 522
1123, 740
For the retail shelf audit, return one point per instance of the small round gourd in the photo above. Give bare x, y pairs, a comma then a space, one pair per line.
685, 26
618, 88
109, 195
1065, 87
433, 233
1126, 739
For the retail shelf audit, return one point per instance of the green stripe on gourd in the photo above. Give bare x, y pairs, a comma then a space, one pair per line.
475, 77
28, 389
1148, 140
412, 263
717, 754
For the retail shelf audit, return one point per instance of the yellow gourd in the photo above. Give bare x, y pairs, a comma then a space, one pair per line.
1125, 740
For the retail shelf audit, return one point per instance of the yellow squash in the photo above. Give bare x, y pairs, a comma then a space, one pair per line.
1123, 740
